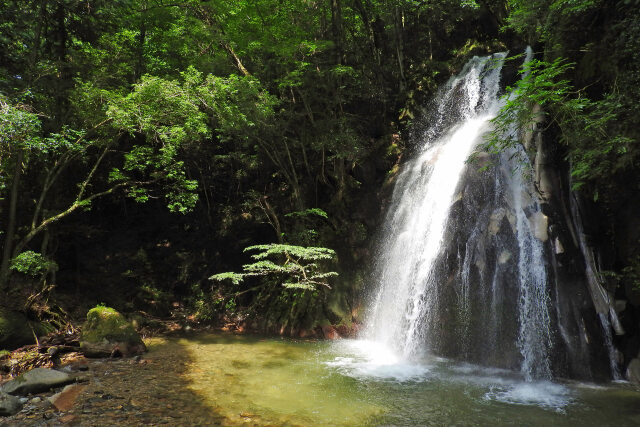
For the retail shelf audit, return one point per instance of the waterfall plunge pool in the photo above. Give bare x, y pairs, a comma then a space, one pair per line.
272, 381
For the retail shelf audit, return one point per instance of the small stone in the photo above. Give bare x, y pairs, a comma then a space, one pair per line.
558, 247
67, 418
36, 400
9, 405
504, 257
65, 400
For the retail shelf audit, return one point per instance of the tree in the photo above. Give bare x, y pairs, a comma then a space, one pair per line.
297, 266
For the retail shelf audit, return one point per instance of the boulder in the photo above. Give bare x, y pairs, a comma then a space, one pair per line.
37, 380
330, 333
107, 333
14, 330
348, 331
9, 404
633, 371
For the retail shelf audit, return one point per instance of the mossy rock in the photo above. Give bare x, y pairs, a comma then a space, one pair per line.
15, 330
107, 333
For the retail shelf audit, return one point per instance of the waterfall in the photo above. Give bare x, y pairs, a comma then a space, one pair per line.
461, 267
422, 196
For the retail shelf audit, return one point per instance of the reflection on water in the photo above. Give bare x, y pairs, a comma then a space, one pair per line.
286, 382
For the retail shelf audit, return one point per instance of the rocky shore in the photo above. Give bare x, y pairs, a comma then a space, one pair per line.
142, 390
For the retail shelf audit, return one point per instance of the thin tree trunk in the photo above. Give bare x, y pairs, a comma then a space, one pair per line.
236, 58
272, 217
139, 70
11, 226
364, 15
336, 28
33, 60
398, 30
55, 218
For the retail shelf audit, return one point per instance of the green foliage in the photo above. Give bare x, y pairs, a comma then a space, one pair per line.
32, 264
542, 84
308, 213
234, 278
19, 128
631, 273
174, 116
296, 266
211, 108
596, 151
539, 18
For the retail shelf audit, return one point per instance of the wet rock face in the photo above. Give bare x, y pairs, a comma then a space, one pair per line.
9, 404
480, 258
478, 318
107, 333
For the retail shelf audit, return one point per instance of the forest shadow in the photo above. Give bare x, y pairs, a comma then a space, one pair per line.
154, 390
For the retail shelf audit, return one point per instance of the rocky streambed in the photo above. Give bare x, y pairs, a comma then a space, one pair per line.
147, 390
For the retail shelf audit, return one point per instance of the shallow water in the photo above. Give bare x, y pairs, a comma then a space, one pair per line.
349, 382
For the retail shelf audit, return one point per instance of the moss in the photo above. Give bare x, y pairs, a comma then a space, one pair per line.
105, 323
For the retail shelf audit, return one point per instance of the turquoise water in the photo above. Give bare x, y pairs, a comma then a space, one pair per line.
286, 382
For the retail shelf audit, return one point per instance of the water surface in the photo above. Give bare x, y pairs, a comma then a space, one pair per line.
350, 383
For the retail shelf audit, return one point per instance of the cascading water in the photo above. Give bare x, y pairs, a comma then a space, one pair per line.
421, 200
534, 338
462, 269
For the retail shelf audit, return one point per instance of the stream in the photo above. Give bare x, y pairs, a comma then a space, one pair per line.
219, 378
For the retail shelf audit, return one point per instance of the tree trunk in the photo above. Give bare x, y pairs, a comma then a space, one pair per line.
398, 26
40, 20
366, 20
139, 69
63, 82
11, 225
336, 29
